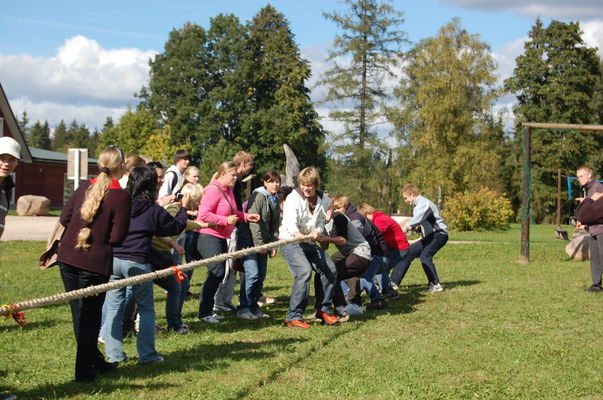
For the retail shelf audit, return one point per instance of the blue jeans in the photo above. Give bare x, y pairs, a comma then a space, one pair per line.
252, 281
396, 258
143, 295
210, 246
302, 258
426, 248
377, 266
161, 260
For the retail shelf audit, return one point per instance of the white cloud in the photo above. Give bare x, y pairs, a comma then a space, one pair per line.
558, 9
83, 81
593, 34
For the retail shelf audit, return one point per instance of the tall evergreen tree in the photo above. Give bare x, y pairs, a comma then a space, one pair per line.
555, 81
449, 139
39, 136
61, 139
364, 55
23, 123
281, 109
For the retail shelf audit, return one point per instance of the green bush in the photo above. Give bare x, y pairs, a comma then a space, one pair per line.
477, 211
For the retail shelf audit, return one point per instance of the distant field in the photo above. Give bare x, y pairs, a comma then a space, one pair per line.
500, 330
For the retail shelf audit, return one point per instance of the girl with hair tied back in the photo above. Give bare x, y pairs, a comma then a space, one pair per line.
96, 218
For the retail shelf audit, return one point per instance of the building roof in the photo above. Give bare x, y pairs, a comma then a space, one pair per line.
52, 156
13, 127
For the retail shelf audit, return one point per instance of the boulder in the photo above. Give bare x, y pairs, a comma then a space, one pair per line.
578, 248
30, 205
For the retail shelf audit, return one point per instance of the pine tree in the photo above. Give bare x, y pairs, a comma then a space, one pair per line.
61, 139
39, 136
23, 123
370, 46
281, 110
555, 81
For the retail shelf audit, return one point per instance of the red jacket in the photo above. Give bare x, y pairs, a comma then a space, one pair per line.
392, 233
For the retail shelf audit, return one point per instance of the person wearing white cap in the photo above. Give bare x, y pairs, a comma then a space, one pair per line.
10, 152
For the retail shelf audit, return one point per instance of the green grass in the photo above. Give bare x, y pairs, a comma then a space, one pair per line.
500, 330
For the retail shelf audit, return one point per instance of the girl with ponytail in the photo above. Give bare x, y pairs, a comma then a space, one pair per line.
96, 218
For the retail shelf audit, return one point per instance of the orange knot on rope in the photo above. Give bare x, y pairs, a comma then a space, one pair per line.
12, 311
179, 274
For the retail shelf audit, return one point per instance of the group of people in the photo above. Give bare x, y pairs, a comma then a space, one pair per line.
134, 218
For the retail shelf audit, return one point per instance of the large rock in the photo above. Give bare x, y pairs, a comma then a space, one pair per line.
578, 248
30, 205
291, 167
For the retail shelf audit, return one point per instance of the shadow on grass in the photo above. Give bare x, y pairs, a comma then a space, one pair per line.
200, 358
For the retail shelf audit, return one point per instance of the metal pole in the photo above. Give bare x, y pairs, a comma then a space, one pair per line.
76, 180
558, 198
525, 196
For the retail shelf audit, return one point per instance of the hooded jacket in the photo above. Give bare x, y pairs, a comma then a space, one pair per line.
148, 219
298, 218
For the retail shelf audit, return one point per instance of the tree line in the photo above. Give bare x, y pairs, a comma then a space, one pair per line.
407, 112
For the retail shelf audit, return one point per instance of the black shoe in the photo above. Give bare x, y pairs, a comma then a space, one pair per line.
105, 366
390, 294
595, 288
376, 305
88, 377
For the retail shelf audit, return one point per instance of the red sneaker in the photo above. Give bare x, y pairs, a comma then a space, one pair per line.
296, 323
328, 319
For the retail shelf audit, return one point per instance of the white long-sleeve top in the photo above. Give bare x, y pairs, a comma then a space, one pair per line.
298, 218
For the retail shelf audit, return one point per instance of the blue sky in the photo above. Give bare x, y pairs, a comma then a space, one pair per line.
85, 59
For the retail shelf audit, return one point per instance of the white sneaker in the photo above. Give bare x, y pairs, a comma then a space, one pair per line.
218, 317
262, 315
353, 309
434, 288
223, 308
210, 319
246, 315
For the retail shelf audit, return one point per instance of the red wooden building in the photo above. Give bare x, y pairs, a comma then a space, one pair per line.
40, 172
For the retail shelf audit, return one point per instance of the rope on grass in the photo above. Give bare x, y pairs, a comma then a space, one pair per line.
15, 310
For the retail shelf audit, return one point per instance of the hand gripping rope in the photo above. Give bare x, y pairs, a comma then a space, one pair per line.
15, 311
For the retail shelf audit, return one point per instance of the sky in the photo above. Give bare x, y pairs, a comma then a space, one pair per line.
84, 60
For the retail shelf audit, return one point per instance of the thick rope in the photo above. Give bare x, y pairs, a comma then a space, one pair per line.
14, 309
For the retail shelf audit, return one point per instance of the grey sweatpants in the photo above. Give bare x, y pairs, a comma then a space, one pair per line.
596, 258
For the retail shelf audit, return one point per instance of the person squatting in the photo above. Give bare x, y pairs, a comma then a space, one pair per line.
133, 218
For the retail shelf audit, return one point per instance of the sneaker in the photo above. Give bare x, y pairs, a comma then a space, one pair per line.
296, 323
341, 314
210, 319
595, 288
266, 300
434, 288
8, 396
182, 330
328, 319
376, 305
225, 307
261, 315
153, 361
313, 317
246, 315
353, 309
218, 317
390, 294
105, 366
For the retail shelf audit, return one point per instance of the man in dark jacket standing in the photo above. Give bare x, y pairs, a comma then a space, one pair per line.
585, 177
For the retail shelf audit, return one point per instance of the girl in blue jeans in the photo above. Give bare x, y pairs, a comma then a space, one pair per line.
131, 258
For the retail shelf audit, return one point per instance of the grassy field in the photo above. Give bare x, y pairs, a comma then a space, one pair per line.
500, 330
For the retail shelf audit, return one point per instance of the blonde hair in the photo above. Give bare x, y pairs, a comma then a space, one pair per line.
309, 176
341, 201
243, 156
133, 160
225, 167
189, 170
365, 209
195, 191
410, 189
110, 161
